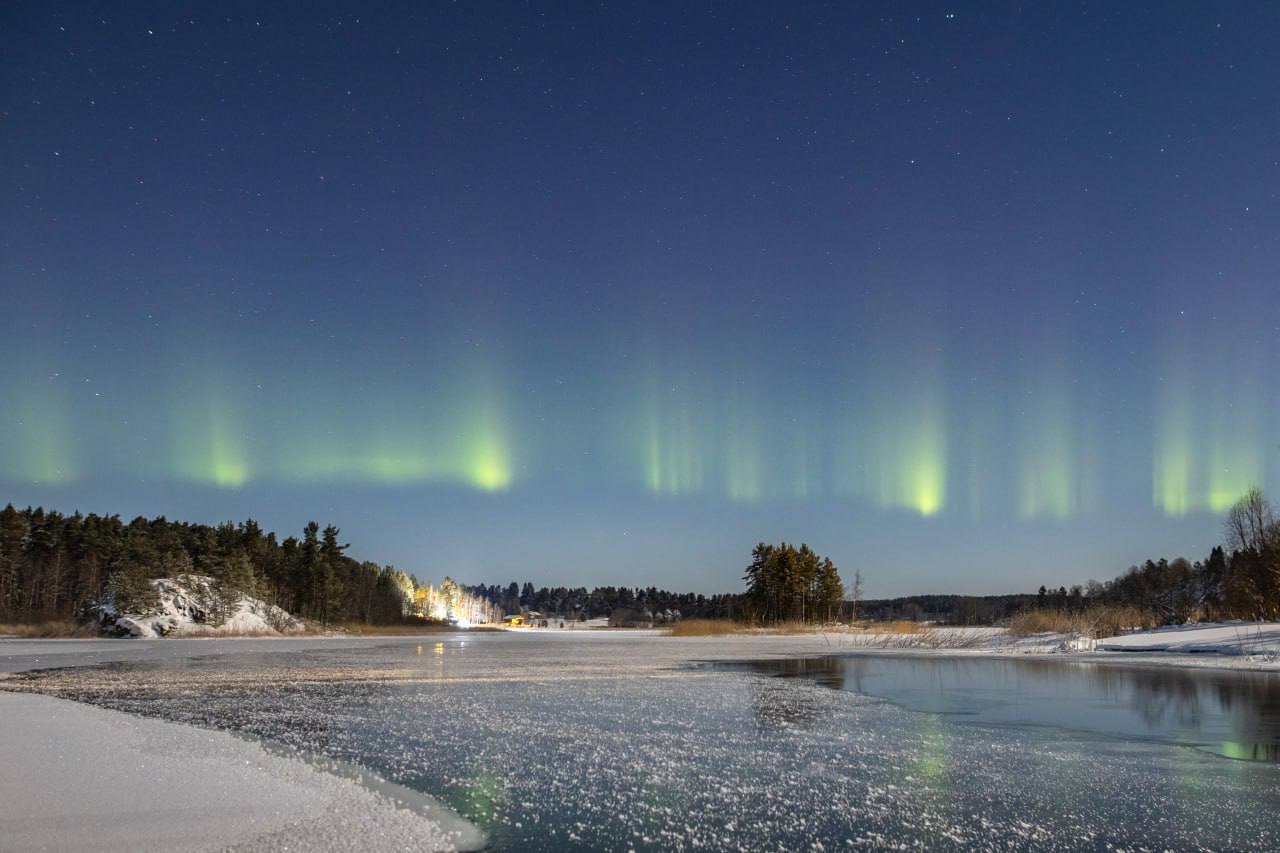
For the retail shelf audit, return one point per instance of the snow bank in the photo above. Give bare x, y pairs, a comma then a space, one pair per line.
192, 606
1223, 638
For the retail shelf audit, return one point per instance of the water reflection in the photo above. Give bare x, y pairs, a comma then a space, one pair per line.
1233, 714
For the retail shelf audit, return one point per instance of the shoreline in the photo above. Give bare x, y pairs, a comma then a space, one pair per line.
25, 655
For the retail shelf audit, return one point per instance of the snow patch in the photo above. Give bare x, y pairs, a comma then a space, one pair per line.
192, 605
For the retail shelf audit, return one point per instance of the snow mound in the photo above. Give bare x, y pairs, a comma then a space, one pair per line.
192, 605
1223, 638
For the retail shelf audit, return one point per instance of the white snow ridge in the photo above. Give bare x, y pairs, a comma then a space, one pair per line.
192, 605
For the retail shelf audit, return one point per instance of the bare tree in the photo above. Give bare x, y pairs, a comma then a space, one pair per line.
1251, 523
855, 594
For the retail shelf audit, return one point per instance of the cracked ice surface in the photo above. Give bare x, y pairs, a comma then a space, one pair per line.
558, 743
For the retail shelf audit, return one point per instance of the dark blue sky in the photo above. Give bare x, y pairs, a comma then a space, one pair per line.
972, 298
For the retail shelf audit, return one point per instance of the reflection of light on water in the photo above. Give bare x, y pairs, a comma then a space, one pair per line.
483, 796
933, 751
1246, 751
439, 648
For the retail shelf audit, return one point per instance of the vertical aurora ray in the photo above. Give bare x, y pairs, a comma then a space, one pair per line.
673, 453
1172, 483
1208, 449
208, 445
36, 445
454, 431
894, 453
1056, 476
916, 474
1235, 458
482, 456
1047, 472
980, 454
744, 477
804, 486
743, 469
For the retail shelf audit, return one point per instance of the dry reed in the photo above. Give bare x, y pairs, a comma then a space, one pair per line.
1095, 622
48, 630
703, 628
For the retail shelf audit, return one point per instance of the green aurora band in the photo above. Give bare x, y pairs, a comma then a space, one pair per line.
898, 442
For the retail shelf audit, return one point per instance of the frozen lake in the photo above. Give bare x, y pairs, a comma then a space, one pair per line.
561, 742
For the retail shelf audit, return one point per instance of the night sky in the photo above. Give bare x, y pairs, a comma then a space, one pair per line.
971, 297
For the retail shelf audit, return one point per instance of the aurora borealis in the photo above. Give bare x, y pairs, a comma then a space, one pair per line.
970, 299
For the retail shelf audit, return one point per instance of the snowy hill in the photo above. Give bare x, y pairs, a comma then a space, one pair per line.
191, 605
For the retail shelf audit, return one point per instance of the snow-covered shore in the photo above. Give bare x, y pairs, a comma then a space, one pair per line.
77, 777
1234, 645
1230, 645
1260, 640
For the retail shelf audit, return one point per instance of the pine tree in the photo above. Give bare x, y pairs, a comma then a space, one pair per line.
329, 586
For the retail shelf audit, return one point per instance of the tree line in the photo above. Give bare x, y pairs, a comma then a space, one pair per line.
55, 567
947, 609
1238, 580
642, 604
